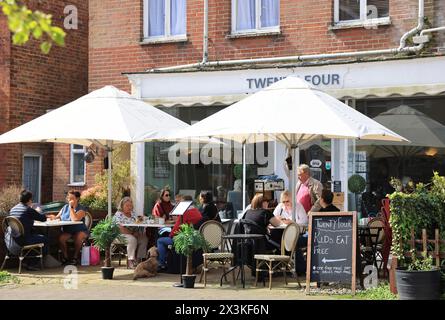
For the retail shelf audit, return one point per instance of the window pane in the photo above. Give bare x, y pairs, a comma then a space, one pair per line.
156, 17
78, 168
177, 17
269, 13
349, 9
377, 9
77, 147
245, 15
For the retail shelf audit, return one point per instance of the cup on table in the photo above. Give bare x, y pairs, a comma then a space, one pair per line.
140, 219
161, 220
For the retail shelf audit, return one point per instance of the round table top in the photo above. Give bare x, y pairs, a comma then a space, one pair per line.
244, 236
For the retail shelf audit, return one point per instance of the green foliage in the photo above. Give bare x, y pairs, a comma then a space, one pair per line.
425, 263
187, 241
9, 197
6, 278
356, 183
423, 208
103, 235
382, 292
25, 23
96, 197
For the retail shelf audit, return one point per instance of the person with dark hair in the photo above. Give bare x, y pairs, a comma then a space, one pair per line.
73, 211
192, 216
208, 210
326, 201
163, 206
27, 215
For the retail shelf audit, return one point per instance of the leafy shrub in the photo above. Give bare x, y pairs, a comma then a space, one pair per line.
103, 235
96, 197
9, 197
356, 183
423, 208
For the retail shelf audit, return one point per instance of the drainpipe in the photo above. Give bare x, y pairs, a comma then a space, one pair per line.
420, 23
401, 49
205, 40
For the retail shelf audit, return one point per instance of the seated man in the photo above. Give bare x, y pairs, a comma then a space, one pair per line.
326, 206
326, 202
26, 214
191, 216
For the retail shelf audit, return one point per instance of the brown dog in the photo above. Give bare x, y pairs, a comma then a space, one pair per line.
149, 267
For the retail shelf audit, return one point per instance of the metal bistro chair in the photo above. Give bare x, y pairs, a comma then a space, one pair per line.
274, 263
377, 226
213, 233
119, 249
25, 251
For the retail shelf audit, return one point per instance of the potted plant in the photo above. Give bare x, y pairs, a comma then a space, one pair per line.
356, 184
419, 279
421, 209
187, 241
103, 235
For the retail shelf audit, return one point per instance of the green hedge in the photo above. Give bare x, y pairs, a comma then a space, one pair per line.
424, 208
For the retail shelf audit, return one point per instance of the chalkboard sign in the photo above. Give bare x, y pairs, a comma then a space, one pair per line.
331, 249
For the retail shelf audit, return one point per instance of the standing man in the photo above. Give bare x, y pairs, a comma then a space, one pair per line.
26, 214
308, 189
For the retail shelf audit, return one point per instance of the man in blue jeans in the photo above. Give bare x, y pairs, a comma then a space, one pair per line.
26, 214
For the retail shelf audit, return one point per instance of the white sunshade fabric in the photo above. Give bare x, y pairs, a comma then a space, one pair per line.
104, 116
292, 112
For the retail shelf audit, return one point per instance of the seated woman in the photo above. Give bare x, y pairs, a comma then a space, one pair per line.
191, 216
283, 211
262, 218
135, 236
208, 209
73, 211
163, 206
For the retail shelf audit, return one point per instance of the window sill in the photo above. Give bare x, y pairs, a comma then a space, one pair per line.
253, 34
367, 24
146, 41
81, 184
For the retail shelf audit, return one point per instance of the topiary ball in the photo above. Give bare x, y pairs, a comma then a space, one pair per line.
356, 183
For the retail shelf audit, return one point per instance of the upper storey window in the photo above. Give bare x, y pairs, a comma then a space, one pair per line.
165, 19
361, 12
255, 16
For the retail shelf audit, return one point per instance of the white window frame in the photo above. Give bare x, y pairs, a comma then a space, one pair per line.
34, 155
258, 29
167, 37
363, 21
72, 152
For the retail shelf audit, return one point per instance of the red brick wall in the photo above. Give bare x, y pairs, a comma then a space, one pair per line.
116, 30
41, 82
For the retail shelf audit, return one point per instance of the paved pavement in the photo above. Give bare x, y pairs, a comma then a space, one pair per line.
55, 284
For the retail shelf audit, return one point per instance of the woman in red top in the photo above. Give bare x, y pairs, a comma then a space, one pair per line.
163, 206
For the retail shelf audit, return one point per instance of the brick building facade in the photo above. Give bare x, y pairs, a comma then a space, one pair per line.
32, 83
125, 45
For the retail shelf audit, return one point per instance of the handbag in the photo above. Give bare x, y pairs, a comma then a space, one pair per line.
85, 256
94, 256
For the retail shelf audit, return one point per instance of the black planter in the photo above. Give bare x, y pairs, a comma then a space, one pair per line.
418, 285
107, 273
188, 281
